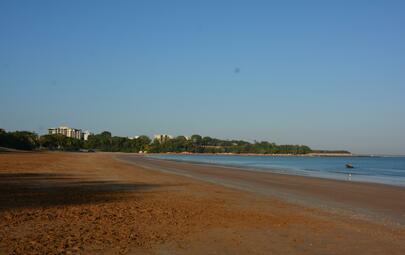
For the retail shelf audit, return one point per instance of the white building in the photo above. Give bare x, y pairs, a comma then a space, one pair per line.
133, 137
70, 132
86, 134
162, 138
66, 131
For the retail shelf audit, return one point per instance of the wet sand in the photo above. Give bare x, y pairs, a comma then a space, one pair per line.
371, 200
105, 203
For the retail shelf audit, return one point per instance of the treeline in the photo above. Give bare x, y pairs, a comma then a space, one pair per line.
21, 140
106, 142
198, 144
25, 140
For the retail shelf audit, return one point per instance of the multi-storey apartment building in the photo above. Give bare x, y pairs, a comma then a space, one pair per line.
66, 131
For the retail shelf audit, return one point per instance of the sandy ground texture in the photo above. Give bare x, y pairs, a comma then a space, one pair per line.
92, 203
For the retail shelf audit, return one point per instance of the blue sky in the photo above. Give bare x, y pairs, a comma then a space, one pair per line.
329, 74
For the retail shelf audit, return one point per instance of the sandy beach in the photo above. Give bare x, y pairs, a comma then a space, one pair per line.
116, 203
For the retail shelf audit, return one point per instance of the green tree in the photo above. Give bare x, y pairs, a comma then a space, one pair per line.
22, 140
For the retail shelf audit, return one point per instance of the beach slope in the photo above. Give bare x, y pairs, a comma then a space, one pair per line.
106, 203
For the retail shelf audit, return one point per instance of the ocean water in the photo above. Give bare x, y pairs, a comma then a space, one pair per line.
387, 170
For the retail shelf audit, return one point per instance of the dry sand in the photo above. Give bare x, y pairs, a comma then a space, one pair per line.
91, 203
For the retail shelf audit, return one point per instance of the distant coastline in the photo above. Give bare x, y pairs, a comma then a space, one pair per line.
267, 155
69, 139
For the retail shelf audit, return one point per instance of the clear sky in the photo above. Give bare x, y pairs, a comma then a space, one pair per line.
329, 74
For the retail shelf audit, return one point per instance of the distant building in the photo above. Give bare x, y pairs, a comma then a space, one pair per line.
133, 137
162, 138
66, 131
86, 134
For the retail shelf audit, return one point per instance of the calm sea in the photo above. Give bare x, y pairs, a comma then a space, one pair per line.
388, 170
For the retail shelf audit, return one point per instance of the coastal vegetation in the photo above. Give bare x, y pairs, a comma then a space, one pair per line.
21, 140
106, 142
198, 144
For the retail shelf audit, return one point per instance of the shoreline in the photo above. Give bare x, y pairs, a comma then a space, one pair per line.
287, 171
261, 155
366, 199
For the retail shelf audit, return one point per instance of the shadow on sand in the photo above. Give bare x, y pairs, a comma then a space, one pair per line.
32, 190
